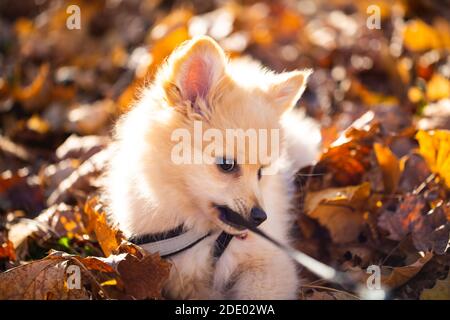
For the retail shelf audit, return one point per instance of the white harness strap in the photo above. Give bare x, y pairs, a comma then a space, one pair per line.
175, 244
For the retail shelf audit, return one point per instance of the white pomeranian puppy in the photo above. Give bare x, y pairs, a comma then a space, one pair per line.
211, 138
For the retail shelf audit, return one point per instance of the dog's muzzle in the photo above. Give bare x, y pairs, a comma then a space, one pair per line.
233, 219
257, 216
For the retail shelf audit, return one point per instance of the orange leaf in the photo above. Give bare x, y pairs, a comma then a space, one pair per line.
107, 236
7, 251
32, 90
390, 167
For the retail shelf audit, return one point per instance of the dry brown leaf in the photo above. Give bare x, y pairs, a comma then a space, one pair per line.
47, 279
392, 277
401, 223
339, 210
401, 275
440, 291
52, 175
87, 119
20, 191
81, 147
39, 280
144, 278
430, 230
63, 219
331, 294
347, 158
414, 172
84, 178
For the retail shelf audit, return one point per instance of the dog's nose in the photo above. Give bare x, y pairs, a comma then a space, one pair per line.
257, 216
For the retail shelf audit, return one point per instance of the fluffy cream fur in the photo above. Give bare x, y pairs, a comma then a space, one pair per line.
148, 193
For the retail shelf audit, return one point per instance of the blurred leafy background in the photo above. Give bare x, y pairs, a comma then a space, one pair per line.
378, 195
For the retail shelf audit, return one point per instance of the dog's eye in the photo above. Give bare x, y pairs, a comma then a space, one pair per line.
227, 165
259, 173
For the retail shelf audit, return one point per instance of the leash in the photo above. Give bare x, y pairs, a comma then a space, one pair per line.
318, 268
178, 240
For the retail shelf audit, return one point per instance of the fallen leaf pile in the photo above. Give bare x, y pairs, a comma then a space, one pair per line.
378, 195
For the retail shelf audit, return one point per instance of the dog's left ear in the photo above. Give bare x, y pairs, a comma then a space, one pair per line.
194, 71
286, 89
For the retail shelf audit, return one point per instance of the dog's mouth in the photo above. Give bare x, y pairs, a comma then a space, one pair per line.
234, 223
227, 221
227, 215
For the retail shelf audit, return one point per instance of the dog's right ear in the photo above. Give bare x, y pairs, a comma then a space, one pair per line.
193, 72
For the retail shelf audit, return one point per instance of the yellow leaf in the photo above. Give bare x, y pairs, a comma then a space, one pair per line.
419, 36
415, 95
434, 146
438, 88
37, 124
112, 282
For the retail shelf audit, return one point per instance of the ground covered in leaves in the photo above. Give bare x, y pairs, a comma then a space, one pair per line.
379, 195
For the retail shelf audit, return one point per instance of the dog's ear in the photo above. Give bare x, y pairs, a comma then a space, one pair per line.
194, 70
286, 88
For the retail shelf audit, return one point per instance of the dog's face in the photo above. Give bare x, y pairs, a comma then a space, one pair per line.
231, 116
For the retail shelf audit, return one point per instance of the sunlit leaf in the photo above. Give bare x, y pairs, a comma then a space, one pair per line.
389, 166
419, 36
339, 210
107, 237
438, 88
435, 148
